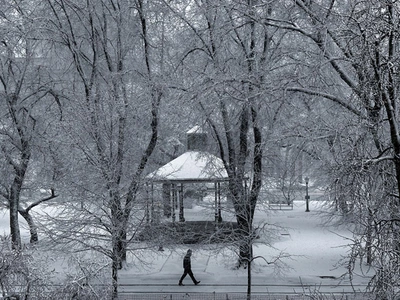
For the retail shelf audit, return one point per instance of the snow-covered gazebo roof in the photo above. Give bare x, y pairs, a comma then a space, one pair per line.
191, 166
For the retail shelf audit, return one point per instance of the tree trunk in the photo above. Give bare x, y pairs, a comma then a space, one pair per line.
122, 244
244, 244
25, 213
14, 225
368, 242
14, 205
32, 226
249, 275
114, 276
20, 166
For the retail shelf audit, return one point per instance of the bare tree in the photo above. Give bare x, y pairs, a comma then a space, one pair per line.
231, 57
356, 58
113, 116
24, 97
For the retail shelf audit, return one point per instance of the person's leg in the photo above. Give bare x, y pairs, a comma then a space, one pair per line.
183, 277
192, 276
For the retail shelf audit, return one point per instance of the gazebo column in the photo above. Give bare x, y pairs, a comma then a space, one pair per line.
219, 202
180, 197
217, 188
152, 209
147, 210
215, 203
173, 198
166, 196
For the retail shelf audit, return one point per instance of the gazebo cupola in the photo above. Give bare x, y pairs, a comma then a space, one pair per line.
196, 139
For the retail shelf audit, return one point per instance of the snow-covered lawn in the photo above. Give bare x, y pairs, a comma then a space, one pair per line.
310, 250
310, 255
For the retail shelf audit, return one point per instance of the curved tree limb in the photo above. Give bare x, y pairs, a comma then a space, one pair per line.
330, 97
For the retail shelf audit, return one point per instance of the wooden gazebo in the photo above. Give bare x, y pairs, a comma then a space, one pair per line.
190, 167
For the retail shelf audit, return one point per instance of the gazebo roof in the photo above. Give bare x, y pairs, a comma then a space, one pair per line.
191, 166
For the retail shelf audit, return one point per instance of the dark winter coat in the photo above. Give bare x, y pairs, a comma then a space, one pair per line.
186, 262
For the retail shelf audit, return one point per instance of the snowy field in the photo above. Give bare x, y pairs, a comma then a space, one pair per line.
311, 258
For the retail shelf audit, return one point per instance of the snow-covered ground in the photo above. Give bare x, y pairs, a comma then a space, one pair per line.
310, 255
311, 251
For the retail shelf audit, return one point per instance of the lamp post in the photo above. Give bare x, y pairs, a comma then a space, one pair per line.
307, 196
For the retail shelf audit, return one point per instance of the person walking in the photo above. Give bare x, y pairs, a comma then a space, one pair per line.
187, 268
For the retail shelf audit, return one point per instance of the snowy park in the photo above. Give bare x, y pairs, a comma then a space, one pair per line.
311, 259
313, 253
262, 135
